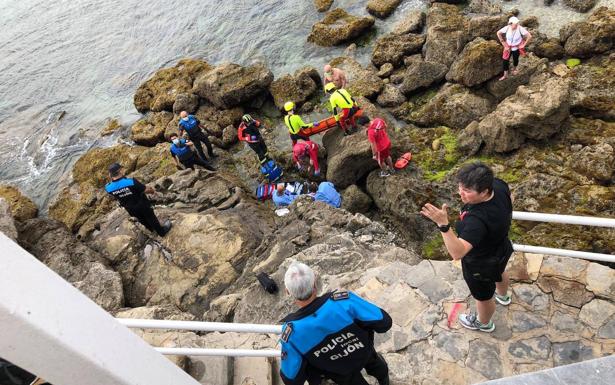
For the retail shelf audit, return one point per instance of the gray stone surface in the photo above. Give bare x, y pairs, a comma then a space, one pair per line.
211, 370
565, 323
531, 296
483, 358
608, 330
525, 321
570, 352
538, 348
597, 312
454, 344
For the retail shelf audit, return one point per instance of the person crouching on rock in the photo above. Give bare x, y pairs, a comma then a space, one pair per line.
331, 335
306, 152
482, 242
249, 132
335, 76
325, 192
282, 197
380, 144
191, 125
130, 194
295, 123
514, 38
184, 155
343, 105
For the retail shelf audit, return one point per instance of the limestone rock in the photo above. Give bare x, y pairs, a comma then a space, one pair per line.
22, 208
483, 357
392, 48
338, 27
453, 106
581, 5
362, 81
391, 96
529, 350
608, 330
7, 224
355, 200
382, 8
567, 292
445, 33
544, 46
536, 111
592, 88
186, 102
478, 62
597, 161
566, 353
593, 36
531, 296
566, 323
411, 22
150, 130
523, 321
386, 70
563, 267
469, 140
528, 66
597, 313
484, 6
323, 5
422, 74
112, 126
229, 85
155, 312
297, 88
486, 27
159, 92
601, 280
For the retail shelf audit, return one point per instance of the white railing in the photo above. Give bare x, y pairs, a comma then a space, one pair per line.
564, 219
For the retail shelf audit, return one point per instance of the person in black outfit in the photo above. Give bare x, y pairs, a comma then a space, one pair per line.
130, 193
182, 153
330, 336
248, 132
482, 242
191, 125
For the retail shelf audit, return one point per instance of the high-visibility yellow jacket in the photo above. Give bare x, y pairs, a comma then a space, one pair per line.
295, 123
341, 99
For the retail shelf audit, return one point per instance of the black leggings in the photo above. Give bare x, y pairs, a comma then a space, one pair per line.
197, 136
195, 160
295, 137
260, 148
376, 367
515, 57
147, 217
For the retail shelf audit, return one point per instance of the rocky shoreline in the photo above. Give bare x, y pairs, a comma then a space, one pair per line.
549, 132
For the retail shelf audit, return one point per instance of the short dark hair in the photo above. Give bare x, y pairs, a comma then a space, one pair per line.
313, 187
173, 135
476, 176
363, 120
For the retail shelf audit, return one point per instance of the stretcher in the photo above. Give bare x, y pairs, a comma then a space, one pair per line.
325, 124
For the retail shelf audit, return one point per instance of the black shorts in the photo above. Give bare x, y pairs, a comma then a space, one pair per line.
482, 275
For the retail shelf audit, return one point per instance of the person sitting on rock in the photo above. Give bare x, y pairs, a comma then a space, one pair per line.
281, 197
184, 155
343, 105
380, 144
295, 123
331, 335
514, 38
130, 194
191, 125
249, 132
325, 192
335, 76
306, 152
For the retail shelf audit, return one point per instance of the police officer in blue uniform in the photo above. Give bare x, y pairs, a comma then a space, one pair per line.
130, 193
183, 154
191, 125
330, 336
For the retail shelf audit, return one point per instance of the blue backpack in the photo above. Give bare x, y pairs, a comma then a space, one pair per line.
271, 171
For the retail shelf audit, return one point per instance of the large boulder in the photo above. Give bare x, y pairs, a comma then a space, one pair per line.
52, 243
362, 81
528, 67
547, 47
159, 92
485, 26
593, 88
580, 5
22, 207
150, 130
479, 61
355, 200
323, 5
298, 88
536, 111
230, 85
453, 106
391, 96
593, 36
446, 34
411, 22
7, 223
338, 27
597, 161
382, 8
422, 74
392, 48
484, 6
186, 102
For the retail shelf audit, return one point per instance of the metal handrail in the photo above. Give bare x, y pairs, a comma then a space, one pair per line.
219, 352
200, 326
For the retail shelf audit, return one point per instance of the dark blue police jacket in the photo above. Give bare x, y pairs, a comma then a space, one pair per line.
333, 334
191, 124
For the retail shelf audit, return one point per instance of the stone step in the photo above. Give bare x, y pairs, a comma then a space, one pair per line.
252, 371
211, 370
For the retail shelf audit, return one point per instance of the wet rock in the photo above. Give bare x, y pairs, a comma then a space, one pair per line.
479, 61
382, 8
592, 88
150, 130
338, 27
531, 296
536, 111
323, 5
528, 66
298, 88
484, 6
386, 70
422, 74
445, 33
186, 102
566, 353
601, 280
7, 224
355, 200
549, 48
112, 126
391, 96
526, 321
411, 21
159, 92
362, 81
392, 48
531, 349
485, 27
51, 243
483, 357
230, 85
593, 36
453, 106
22, 208
597, 161
580, 5
597, 312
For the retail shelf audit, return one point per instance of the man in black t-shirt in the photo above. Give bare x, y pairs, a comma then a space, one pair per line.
482, 242
130, 193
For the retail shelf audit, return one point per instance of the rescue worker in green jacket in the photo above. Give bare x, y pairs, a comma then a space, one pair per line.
343, 105
295, 123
